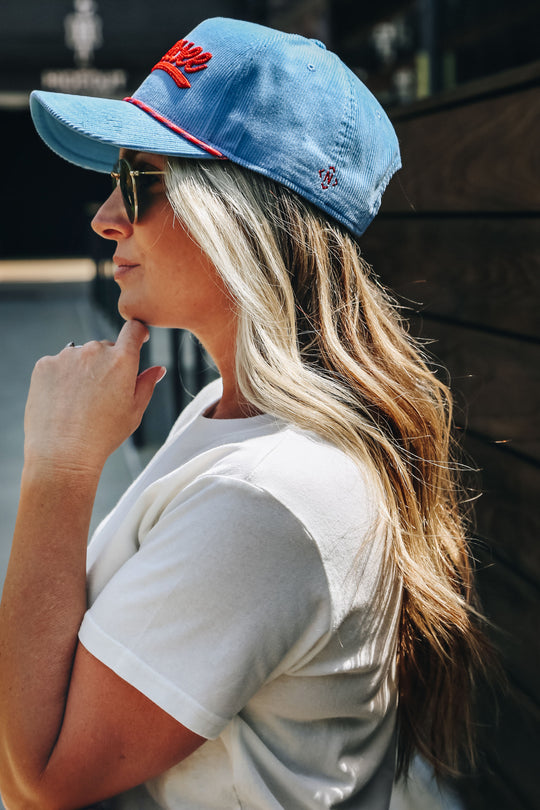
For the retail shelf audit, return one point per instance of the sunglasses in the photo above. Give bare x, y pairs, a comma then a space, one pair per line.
127, 178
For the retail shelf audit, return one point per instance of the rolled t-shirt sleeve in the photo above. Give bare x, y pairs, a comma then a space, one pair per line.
226, 591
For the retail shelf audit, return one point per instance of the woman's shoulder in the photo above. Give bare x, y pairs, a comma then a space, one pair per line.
331, 494
298, 468
295, 458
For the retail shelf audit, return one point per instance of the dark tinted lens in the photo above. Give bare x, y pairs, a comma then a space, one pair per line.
126, 187
116, 170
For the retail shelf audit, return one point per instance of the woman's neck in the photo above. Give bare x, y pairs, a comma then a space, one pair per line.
231, 406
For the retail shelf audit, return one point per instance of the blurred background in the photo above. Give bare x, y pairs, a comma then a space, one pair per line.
457, 238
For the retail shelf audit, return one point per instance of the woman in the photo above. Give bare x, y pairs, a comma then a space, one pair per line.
286, 589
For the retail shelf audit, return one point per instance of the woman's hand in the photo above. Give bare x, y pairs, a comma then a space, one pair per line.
54, 695
85, 401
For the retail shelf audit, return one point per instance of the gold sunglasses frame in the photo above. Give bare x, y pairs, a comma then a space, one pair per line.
133, 173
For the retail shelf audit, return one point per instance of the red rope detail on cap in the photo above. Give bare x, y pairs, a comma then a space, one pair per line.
183, 54
174, 127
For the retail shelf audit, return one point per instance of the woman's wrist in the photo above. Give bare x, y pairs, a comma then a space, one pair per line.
61, 470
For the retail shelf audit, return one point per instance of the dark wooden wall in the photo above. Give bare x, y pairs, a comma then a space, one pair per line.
458, 238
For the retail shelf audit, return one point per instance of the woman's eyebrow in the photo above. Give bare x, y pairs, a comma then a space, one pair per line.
138, 159
128, 154
141, 160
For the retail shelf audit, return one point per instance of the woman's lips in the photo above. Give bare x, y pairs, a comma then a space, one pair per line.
123, 266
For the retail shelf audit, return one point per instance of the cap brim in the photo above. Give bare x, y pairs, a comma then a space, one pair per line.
89, 131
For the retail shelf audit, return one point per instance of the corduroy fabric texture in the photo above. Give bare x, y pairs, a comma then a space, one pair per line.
279, 104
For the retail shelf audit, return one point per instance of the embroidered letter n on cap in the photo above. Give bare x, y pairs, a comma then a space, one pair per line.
185, 55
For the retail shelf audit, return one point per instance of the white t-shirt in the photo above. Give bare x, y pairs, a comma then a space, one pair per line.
243, 584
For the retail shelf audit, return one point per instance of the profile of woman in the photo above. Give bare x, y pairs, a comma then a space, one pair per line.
279, 611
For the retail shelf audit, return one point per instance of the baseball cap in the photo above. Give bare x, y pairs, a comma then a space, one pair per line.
277, 103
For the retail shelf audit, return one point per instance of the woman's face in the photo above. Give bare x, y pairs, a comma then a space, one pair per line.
164, 277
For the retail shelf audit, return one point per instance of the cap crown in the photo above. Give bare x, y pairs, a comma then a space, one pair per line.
282, 105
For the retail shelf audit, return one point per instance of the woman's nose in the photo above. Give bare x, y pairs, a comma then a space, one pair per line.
111, 220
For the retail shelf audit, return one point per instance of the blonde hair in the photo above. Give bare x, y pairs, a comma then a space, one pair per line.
322, 344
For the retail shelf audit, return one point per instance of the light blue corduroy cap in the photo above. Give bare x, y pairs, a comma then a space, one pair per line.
277, 103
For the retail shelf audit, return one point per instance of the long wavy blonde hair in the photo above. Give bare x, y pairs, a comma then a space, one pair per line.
322, 344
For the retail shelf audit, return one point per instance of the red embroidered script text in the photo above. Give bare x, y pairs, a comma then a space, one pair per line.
184, 55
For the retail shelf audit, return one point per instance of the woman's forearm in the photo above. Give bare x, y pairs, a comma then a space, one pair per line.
82, 404
42, 606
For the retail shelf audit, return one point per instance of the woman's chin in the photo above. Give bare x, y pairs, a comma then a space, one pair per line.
129, 310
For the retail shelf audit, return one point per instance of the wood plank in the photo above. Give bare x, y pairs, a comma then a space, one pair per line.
494, 84
479, 157
483, 271
509, 741
507, 512
495, 381
510, 725
487, 792
511, 603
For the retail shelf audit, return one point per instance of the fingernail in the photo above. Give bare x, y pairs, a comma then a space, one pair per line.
163, 372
